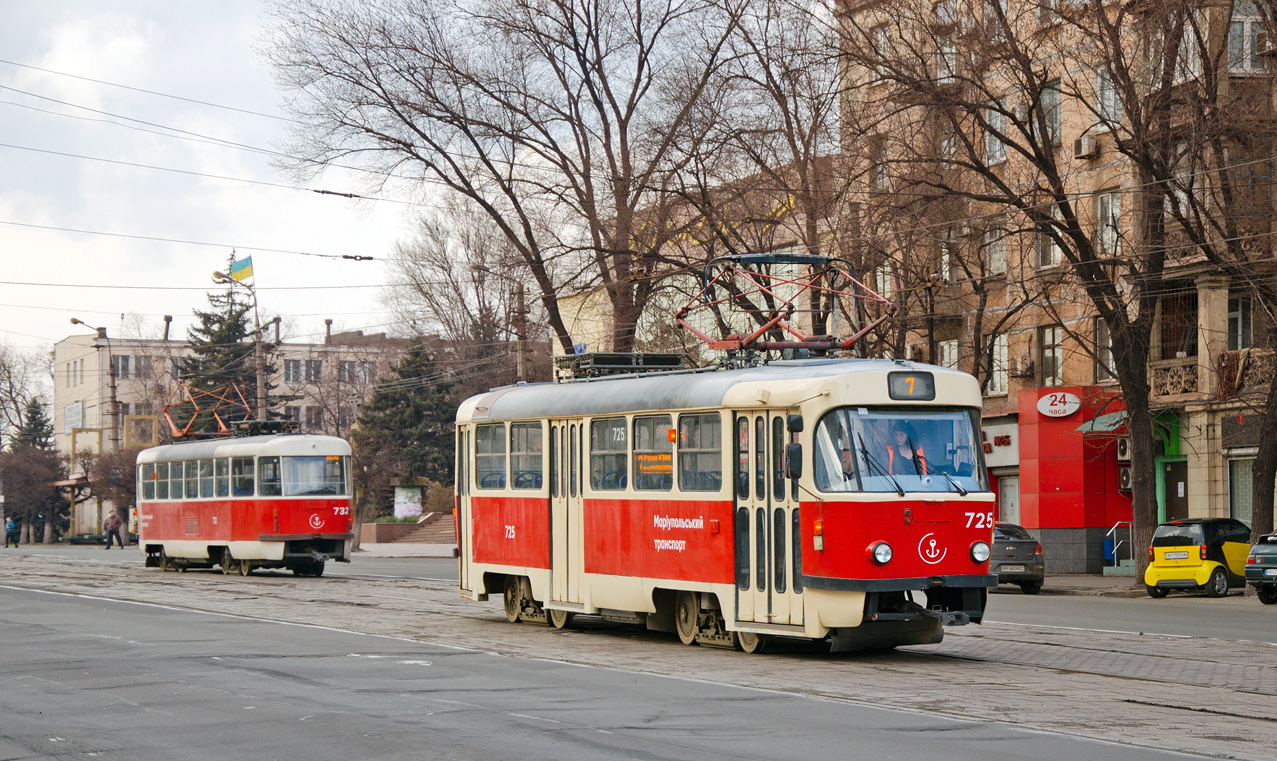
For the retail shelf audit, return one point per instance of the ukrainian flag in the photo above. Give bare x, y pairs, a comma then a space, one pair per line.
242, 269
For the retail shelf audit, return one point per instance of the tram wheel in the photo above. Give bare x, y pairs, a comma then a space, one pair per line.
560, 619
513, 595
228, 563
317, 568
245, 568
686, 617
166, 564
751, 642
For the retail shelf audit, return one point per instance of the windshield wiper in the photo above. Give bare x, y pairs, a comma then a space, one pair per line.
918, 465
871, 461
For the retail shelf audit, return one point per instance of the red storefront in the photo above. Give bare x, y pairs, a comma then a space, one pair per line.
1070, 479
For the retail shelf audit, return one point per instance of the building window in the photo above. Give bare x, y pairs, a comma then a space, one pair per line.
880, 41
292, 371
1052, 342
1048, 253
998, 378
1104, 367
1188, 61
883, 280
946, 61
355, 372
1240, 497
120, 366
314, 418
143, 367
995, 151
314, 369
1108, 223
995, 247
947, 353
948, 140
1049, 102
1239, 325
1048, 12
1108, 106
995, 19
881, 180
1246, 39
944, 258
293, 414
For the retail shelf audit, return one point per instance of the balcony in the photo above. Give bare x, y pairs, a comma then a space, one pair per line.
1173, 377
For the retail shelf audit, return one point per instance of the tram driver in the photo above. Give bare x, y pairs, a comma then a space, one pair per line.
904, 456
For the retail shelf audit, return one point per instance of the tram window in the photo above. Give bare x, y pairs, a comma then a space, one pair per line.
654, 453
742, 458
778, 549
608, 450
778, 458
895, 448
489, 456
760, 548
148, 481
242, 476
192, 479
268, 477
221, 477
554, 461
700, 452
161, 480
206, 479
742, 548
760, 458
796, 534
175, 480
316, 475
575, 464
565, 454
526, 462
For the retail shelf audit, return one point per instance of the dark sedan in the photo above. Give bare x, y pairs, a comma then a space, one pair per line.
1261, 568
1017, 558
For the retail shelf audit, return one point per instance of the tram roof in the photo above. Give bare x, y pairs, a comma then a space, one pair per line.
288, 444
673, 390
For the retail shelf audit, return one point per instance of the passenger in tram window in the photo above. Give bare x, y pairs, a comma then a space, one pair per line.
900, 455
848, 466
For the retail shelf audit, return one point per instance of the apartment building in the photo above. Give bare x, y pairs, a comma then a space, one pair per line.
320, 385
988, 137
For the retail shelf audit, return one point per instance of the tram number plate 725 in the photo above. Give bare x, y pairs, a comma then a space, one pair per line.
979, 520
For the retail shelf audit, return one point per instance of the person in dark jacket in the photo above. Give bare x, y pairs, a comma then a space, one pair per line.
113, 524
10, 532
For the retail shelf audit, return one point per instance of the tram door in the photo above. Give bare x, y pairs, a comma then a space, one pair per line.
463, 506
566, 552
768, 546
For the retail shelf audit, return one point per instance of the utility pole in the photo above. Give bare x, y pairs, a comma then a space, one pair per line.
521, 337
261, 362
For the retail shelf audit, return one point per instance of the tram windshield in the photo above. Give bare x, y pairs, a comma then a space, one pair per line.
889, 449
309, 476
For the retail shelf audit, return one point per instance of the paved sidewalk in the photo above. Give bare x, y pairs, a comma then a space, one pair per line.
1092, 584
407, 550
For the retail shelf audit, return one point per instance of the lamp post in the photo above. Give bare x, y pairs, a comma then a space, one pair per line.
114, 410
221, 277
520, 321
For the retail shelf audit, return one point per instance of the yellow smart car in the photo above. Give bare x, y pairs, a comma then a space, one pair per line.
1200, 553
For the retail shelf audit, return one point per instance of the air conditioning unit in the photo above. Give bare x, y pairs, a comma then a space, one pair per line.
1124, 449
1022, 367
1123, 479
1086, 147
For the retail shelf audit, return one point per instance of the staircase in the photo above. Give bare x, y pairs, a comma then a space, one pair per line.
434, 528
1126, 567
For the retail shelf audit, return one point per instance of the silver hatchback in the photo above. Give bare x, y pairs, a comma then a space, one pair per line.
1017, 558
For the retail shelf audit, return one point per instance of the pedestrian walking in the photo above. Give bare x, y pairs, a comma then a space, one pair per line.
112, 526
10, 532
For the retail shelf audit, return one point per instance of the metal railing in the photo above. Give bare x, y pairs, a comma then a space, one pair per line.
1129, 541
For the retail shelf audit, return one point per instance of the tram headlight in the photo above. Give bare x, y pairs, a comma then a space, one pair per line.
880, 553
979, 552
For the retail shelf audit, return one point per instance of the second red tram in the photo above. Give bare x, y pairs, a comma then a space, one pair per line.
273, 501
825, 499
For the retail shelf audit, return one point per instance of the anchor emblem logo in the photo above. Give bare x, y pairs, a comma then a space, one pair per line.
316, 520
929, 552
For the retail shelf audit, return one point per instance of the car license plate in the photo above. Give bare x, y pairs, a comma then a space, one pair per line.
1020, 569
1270, 571
1176, 556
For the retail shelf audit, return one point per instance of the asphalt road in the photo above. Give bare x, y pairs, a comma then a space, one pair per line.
87, 677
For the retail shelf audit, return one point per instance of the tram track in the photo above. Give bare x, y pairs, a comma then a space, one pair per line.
1074, 682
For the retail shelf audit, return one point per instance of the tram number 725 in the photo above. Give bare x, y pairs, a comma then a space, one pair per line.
979, 520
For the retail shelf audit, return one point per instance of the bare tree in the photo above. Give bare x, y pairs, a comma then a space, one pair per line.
22, 379
563, 120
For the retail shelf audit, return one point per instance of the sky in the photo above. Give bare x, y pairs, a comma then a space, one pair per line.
200, 51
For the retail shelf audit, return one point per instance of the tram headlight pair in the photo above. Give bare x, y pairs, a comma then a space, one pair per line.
980, 552
880, 553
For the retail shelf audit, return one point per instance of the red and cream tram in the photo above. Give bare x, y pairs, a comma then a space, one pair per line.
825, 499
273, 501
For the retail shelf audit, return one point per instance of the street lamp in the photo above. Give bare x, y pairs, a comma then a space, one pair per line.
520, 321
221, 277
110, 364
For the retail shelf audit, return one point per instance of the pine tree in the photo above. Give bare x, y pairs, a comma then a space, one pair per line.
37, 429
405, 430
222, 342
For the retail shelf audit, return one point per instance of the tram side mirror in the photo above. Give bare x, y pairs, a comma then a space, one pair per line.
794, 423
794, 458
